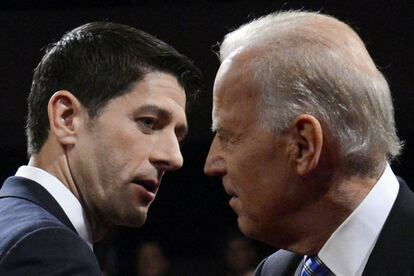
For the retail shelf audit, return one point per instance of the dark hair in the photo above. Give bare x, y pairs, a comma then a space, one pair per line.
97, 62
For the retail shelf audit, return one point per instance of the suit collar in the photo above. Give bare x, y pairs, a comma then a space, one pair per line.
394, 250
348, 248
27, 189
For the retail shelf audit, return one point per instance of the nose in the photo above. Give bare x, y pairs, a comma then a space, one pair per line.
215, 164
166, 155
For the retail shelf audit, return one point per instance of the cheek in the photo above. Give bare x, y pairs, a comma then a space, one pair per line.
129, 144
114, 159
263, 179
257, 163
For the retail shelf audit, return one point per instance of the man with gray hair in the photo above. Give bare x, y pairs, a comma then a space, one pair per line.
304, 136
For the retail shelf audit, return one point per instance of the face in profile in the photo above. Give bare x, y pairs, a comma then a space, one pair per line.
122, 154
253, 162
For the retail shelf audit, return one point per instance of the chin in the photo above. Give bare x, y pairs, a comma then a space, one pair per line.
247, 228
134, 220
252, 229
139, 221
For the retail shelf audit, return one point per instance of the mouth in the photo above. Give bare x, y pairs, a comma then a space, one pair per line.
229, 192
150, 185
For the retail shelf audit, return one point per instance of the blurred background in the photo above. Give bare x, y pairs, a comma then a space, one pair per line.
191, 229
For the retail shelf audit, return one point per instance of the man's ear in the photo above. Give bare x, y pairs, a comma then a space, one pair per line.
65, 116
308, 140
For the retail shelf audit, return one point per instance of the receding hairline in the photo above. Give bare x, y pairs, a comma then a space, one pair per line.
298, 51
293, 28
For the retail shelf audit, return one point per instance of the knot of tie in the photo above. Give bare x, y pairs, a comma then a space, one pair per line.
314, 267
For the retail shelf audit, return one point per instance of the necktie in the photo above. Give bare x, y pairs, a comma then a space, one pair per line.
314, 267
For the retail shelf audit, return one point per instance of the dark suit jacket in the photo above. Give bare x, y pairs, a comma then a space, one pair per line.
36, 236
393, 253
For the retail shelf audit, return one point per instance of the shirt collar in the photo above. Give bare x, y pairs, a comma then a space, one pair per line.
347, 250
69, 203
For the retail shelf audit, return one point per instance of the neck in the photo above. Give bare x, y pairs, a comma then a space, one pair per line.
56, 166
321, 218
55, 161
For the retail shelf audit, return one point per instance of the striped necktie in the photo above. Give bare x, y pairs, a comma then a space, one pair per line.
314, 267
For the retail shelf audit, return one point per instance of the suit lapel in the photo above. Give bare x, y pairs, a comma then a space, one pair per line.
394, 250
20, 187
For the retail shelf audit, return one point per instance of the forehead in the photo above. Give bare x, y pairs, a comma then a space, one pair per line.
160, 85
155, 88
234, 93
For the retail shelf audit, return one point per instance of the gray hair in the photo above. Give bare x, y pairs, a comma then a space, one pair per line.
304, 62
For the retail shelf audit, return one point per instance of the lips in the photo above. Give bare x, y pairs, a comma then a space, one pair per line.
151, 185
229, 191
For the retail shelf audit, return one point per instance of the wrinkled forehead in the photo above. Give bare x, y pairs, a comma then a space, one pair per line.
234, 90
233, 73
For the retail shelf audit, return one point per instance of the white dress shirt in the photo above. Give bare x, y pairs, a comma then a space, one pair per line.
347, 251
69, 203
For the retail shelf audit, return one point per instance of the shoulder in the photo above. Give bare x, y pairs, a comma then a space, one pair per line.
19, 217
33, 241
280, 263
49, 250
393, 252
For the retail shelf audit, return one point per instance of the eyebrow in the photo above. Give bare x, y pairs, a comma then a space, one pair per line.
181, 130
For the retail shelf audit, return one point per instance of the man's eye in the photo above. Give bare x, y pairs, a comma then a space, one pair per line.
148, 123
225, 140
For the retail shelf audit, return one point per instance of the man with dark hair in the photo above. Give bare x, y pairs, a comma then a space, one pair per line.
305, 134
106, 115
